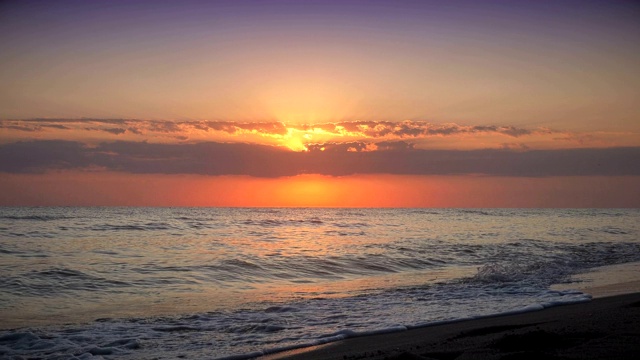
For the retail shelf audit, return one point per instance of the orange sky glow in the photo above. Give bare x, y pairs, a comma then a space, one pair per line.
117, 189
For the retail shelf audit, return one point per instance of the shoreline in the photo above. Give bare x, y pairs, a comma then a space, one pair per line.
600, 282
605, 281
607, 327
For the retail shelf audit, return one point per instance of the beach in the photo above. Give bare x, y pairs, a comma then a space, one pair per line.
604, 328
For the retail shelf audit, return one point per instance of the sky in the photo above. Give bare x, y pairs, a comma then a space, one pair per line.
320, 103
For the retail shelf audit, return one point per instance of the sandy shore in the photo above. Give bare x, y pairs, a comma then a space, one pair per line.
605, 328
606, 280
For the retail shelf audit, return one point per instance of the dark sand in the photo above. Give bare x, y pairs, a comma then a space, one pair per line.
605, 328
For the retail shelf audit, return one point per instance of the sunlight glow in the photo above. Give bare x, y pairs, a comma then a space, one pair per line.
309, 191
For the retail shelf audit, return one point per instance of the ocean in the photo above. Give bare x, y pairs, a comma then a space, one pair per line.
164, 283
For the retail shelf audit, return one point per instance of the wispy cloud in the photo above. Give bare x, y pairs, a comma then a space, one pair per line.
351, 135
359, 146
415, 129
366, 129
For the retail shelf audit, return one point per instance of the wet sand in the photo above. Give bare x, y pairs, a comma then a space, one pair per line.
604, 328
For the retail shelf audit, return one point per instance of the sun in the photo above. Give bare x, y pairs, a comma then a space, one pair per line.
294, 142
297, 138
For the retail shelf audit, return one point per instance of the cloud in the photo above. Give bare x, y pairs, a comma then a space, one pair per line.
394, 146
514, 146
30, 127
351, 136
167, 127
213, 158
363, 129
417, 129
340, 147
115, 131
358, 146
26, 128
37, 156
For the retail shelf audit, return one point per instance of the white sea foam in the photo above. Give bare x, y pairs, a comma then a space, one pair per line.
239, 334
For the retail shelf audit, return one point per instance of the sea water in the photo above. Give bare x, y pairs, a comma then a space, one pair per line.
147, 283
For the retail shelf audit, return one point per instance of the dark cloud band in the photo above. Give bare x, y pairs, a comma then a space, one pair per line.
212, 158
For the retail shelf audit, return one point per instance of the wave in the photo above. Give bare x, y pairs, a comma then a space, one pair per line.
526, 262
478, 212
344, 233
612, 230
37, 217
277, 222
152, 226
426, 212
350, 225
312, 222
249, 333
57, 281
